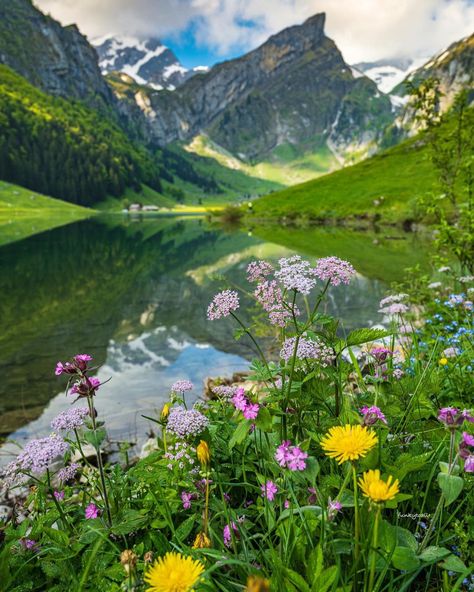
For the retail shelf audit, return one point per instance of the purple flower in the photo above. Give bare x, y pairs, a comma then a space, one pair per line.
86, 387
65, 368
227, 392
269, 490
291, 457
394, 309
381, 354
71, 419
59, 495
80, 361
451, 416
227, 533
372, 415
296, 274
270, 296
335, 270
469, 464
67, 473
393, 298
398, 373
251, 411
91, 512
239, 400
286, 504
186, 498
467, 439
313, 495
184, 423
258, 270
182, 386
37, 456
333, 508
222, 305
307, 349
451, 352
78, 365
29, 544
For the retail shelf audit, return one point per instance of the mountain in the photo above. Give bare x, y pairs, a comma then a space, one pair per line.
146, 61
56, 59
388, 73
294, 91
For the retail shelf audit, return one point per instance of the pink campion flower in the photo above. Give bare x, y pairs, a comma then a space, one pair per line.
372, 415
251, 411
86, 387
286, 504
381, 354
80, 361
453, 417
239, 400
66, 368
258, 270
269, 490
467, 442
333, 508
469, 464
335, 270
227, 536
282, 453
297, 460
91, 512
467, 439
59, 495
186, 498
223, 304
313, 495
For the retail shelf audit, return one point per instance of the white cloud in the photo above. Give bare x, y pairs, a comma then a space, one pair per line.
362, 29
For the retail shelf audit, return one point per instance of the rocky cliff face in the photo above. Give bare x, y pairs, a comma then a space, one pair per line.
57, 59
294, 89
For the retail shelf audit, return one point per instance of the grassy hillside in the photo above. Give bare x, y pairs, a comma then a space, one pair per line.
24, 212
386, 185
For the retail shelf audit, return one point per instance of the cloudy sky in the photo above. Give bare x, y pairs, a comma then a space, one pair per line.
207, 31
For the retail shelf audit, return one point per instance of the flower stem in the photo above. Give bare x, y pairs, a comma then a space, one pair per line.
373, 558
356, 516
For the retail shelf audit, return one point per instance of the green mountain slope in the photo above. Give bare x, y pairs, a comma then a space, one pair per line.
385, 186
24, 212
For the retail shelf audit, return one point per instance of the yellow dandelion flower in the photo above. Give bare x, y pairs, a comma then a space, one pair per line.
202, 541
165, 411
257, 584
443, 361
377, 489
203, 453
348, 442
173, 573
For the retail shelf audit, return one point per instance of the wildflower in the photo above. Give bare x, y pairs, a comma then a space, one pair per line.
251, 411
182, 386
333, 508
29, 544
269, 490
307, 349
227, 535
148, 557
335, 270
376, 489
348, 442
466, 279
296, 274
467, 439
444, 269
203, 453
451, 352
86, 387
222, 305
443, 361
66, 368
469, 464
258, 270
257, 584
71, 419
186, 498
77, 366
67, 473
291, 457
91, 512
239, 399
183, 422
37, 456
434, 285
165, 411
398, 373
452, 417
227, 392
392, 299
313, 495
381, 354
59, 495
395, 308
129, 560
270, 296
372, 415
286, 504
173, 573
202, 541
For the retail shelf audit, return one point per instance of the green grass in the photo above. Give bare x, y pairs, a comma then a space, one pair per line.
24, 212
387, 184
147, 196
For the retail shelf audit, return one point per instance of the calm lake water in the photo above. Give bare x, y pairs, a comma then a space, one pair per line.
133, 293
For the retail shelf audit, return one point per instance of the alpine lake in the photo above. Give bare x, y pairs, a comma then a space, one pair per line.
133, 293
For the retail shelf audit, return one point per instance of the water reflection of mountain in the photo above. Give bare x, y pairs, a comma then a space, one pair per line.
133, 294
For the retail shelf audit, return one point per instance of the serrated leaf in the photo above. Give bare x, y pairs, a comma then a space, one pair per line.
131, 521
360, 336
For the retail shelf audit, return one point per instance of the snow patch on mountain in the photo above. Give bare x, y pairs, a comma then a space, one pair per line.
387, 74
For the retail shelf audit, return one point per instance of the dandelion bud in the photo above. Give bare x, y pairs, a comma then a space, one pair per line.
202, 541
203, 453
128, 559
148, 557
257, 584
165, 411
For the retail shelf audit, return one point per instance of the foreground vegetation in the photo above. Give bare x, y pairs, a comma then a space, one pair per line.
344, 464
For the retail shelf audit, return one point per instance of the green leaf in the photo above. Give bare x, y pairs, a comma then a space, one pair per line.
264, 420
453, 563
404, 558
315, 564
184, 529
95, 438
405, 538
131, 521
240, 433
433, 554
451, 486
360, 336
448, 469
326, 580
57, 536
312, 469
296, 580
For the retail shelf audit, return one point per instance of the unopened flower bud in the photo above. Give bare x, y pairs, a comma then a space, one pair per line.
202, 541
148, 557
203, 453
165, 411
128, 559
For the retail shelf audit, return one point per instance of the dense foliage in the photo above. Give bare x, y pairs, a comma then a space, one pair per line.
65, 149
344, 463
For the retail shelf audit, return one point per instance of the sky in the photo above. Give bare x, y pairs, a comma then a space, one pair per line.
203, 32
